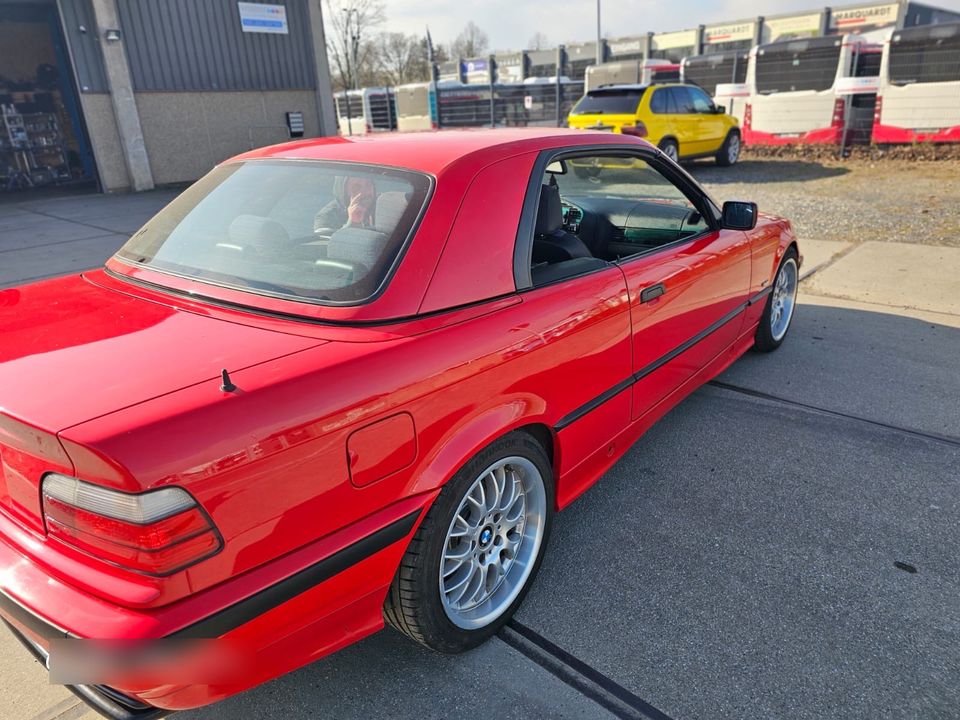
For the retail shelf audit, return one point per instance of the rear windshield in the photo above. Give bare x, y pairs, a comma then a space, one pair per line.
797, 65
609, 102
317, 231
925, 55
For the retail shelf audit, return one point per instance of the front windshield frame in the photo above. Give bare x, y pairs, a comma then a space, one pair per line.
404, 172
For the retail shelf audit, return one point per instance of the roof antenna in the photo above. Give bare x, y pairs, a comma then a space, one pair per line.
225, 383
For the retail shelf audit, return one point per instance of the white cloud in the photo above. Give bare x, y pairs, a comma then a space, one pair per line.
511, 23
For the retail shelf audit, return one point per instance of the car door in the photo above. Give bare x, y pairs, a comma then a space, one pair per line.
661, 120
686, 121
576, 313
688, 280
711, 125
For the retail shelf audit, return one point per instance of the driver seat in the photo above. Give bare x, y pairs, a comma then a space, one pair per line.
551, 243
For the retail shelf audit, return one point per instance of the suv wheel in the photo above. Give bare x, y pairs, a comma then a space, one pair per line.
670, 149
730, 150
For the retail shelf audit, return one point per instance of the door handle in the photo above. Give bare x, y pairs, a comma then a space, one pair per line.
654, 291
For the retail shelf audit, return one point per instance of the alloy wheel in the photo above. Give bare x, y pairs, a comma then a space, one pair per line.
784, 299
492, 543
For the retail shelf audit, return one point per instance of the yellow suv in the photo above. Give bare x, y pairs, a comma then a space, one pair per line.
678, 118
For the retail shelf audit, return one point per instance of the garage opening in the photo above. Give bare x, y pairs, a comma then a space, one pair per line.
43, 139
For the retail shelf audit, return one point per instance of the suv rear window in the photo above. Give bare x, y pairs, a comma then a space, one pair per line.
609, 102
314, 231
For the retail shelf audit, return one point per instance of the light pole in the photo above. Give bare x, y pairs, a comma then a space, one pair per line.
353, 37
599, 39
354, 50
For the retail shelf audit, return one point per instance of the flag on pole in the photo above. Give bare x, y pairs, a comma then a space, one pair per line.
429, 47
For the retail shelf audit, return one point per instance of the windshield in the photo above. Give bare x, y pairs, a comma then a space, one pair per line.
609, 102
322, 232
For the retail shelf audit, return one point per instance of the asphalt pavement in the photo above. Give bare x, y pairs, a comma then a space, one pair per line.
782, 545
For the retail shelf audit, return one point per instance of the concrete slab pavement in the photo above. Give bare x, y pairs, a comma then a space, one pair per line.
53, 236
818, 253
737, 562
895, 274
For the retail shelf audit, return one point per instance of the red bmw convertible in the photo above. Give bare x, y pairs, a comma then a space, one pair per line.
338, 383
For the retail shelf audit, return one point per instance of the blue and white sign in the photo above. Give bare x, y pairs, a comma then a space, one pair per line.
261, 18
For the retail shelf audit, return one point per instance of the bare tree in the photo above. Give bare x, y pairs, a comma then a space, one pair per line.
471, 42
349, 24
538, 41
402, 58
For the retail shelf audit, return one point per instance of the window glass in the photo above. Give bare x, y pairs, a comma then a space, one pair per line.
609, 102
658, 103
305, 230
924, 55
682, 100
608, 207
701, 103
797, 65
708, 71
349, 105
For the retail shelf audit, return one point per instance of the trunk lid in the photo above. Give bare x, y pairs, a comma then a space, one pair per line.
71, 351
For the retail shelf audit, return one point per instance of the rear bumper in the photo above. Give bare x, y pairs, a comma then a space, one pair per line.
106, 701
324, 605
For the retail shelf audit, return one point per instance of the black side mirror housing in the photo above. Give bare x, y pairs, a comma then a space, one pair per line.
739, 215
719, 109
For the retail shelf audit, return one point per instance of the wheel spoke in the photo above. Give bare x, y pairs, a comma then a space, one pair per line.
487, 557
460, 527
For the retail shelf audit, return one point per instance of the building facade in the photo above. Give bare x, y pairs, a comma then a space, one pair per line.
130, 94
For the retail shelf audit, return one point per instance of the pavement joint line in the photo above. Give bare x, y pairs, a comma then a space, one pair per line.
588, 681
829, 261
936, 437
69, 709
76, 222
814, 293
61, 242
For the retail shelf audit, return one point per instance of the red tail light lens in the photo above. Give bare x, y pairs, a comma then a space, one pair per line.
638, 130
878, 110
155, 533
838, 106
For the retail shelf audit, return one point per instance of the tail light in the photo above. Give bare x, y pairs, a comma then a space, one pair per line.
154, 533
838, 106
747, 116
878, 110
638, 130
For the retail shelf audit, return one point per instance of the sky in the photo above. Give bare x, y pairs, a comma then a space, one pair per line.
510, 23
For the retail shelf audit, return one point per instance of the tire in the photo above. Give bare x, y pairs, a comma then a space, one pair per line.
670, 148
774, 323
729, 152
422, 605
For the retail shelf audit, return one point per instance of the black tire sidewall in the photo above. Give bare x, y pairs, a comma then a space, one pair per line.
723, 156
670, 143
439, 632
764, 341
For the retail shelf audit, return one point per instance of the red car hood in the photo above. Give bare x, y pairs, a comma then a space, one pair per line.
71, 351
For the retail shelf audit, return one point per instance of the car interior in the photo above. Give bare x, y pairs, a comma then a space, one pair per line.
265, 236
608, 209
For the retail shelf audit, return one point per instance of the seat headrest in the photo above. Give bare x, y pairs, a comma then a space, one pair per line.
550, 211
357, 245
256, 232
390, 207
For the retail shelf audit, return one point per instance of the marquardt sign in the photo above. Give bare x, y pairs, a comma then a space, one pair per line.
856, 19
680, 39
790, 28
714, 34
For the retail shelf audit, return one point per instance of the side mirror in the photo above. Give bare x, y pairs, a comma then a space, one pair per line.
739, 215
719, 109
